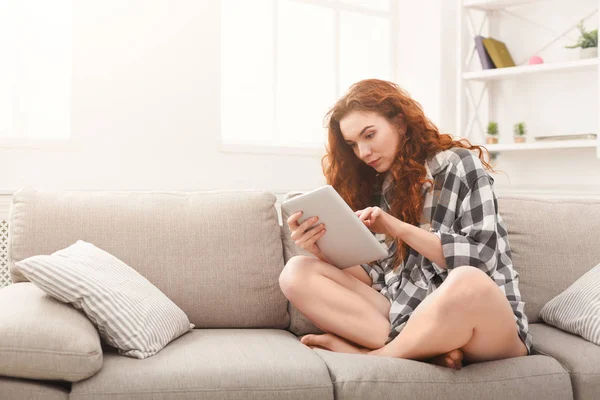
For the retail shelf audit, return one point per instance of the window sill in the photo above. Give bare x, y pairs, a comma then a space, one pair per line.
309, 151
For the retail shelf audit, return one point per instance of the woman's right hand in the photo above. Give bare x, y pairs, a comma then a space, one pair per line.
306, 239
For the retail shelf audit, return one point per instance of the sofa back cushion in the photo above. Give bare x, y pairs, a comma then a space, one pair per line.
554, 241
216, 254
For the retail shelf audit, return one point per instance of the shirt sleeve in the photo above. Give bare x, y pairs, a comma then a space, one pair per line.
473, 237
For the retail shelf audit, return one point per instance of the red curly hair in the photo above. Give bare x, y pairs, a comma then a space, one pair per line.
355, 181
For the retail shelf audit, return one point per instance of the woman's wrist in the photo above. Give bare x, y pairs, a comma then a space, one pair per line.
399, 230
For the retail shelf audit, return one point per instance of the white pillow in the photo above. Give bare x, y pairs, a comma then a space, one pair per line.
577, 309
130, 313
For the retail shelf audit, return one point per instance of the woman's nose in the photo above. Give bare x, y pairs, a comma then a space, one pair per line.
364, 151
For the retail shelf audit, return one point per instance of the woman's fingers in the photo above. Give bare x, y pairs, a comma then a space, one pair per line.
366, 213
310, 237
292, 221
316, 236
303, 227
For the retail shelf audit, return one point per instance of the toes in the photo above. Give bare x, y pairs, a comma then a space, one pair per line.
306, 340
457, 355
314, 340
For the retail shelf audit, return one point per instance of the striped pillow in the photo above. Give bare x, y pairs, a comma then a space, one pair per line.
577, 309
130, 313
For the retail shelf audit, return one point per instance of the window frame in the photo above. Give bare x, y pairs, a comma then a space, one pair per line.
229, 146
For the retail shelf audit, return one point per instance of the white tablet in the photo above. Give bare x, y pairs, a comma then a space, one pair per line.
347, 242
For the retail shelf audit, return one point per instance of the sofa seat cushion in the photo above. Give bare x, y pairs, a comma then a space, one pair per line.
578, 356
25, 389
215, 364
357, 376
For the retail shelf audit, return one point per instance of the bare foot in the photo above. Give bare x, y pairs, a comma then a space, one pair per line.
452, 359
331, 342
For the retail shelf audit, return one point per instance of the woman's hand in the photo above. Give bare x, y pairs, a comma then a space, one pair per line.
379, 221
306, 238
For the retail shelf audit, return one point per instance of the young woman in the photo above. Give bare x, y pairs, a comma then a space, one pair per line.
447, 292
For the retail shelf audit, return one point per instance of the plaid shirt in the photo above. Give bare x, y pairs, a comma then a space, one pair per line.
463, 212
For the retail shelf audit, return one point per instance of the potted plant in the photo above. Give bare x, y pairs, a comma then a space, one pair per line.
492, 131
519, 130
588, 41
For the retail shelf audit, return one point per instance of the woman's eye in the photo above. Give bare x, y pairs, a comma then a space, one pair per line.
370, 135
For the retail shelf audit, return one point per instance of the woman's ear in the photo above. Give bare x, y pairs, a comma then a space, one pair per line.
401, 123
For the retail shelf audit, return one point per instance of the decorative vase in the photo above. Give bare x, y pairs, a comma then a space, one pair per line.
588, 52
492, 140
519, 139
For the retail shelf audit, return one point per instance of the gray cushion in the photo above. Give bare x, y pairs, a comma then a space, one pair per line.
242, 364
130, 313
578, 356
372, 377
216, 254
25, 389
553, 243
299, 324
577, 309
42, 338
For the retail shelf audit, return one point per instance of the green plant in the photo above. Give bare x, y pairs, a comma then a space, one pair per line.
492, 129
519, 129
587, 39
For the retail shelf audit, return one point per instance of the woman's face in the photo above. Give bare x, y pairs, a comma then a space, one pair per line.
373, 139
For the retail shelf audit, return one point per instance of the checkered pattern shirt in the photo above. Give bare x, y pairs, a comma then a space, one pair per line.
463, 212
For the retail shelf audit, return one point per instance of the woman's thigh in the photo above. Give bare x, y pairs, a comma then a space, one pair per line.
308, 265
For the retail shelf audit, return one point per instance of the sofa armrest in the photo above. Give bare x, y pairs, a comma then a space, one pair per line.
43, 338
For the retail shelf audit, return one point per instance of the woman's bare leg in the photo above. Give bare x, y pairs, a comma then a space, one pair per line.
336, 302
467, 312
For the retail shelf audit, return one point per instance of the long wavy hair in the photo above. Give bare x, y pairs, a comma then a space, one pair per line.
355, 181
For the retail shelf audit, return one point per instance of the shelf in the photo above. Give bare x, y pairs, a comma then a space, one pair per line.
558, 144
501, 73
490, 5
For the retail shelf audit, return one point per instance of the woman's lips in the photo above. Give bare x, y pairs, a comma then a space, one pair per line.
374, 163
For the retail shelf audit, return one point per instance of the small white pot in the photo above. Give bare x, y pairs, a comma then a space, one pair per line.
589, 52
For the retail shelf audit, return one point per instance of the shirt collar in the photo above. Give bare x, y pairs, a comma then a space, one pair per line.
433, 166
437, 163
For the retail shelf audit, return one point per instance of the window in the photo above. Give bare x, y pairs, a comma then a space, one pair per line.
35, 74
285, 62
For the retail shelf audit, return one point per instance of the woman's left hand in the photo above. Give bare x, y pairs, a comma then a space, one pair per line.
378, 221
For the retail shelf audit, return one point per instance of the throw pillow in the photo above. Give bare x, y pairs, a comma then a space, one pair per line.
43, 338
131, 314
577, 309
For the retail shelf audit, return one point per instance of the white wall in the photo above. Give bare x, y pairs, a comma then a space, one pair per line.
146, 101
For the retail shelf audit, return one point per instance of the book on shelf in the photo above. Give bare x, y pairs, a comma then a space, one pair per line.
484, 57
580, 136
498, 53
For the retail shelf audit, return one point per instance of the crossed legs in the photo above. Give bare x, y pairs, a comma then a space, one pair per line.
468, 312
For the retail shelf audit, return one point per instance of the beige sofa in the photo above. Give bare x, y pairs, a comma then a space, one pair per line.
218, 256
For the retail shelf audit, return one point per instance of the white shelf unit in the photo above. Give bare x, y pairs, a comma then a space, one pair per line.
559, 144
502, 73
466, 53
497, 4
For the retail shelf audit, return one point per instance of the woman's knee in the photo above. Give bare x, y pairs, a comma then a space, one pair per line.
468, 285
295, 273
